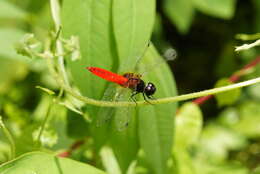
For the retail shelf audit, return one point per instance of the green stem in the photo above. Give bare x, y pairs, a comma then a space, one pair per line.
100, 103
38, 143
55, 11
9, 137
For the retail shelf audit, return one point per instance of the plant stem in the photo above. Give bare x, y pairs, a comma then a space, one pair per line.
162, 100
9, 137
233, 78
248, 46
43, 125
55, 11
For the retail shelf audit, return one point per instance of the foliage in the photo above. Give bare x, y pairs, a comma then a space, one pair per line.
51, 107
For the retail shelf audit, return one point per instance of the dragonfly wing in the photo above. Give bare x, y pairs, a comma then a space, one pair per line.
123, 114
147, 65
105, 113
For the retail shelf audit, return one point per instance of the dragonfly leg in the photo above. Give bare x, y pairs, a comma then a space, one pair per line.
146, 98
151, 97
133, 97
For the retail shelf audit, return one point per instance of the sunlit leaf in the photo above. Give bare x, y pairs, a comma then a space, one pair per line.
42, 163
156, 122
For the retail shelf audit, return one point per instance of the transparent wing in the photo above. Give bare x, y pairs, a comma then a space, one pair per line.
143, 68
105, 113
123, 114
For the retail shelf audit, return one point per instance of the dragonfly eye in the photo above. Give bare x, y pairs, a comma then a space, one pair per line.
149, 89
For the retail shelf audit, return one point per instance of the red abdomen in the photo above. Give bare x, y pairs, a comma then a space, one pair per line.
107, 75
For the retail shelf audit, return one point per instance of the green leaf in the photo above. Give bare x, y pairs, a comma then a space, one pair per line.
180, 12
121, 140
227, 98
42, 163
90, 21
48, 91
8, 10
156, 122
188, 124
219, 8
132, 24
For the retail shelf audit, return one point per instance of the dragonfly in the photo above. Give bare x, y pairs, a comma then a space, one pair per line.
130, 80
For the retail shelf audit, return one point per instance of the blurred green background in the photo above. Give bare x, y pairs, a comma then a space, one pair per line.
215, 138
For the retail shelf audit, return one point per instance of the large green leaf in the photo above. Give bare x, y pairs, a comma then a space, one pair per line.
132, 25
180, 12
156, 121
42, 163
219, 8
91, 22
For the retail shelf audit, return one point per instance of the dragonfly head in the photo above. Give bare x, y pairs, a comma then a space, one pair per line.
149, 89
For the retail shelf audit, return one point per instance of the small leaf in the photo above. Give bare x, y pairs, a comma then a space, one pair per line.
73, 47
48, 91
180, 12
28, 46
219, 8
42, 163
227, 98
